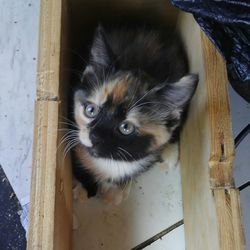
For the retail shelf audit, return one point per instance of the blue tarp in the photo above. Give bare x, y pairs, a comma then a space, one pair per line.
227, 24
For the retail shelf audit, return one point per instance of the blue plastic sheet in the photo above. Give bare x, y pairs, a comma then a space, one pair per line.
227, 24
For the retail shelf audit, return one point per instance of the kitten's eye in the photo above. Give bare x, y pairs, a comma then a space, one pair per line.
126, 128
91, 110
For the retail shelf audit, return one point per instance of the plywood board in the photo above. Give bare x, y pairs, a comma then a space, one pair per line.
220, 126
63, 200
49, 49
50, 209
222, 150
42, 209
200, 233
229, 219
207, 152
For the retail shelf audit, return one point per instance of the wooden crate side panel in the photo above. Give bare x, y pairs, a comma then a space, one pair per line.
222, 150
222, 146
49, 49
41, 224
63, 208
229, 219
200, 222
239, 239
211, 204
50, 211
63, 203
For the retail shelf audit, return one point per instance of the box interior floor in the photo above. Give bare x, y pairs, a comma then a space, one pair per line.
155, 200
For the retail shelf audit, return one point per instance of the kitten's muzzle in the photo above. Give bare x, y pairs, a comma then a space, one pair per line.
96, 140
93, 152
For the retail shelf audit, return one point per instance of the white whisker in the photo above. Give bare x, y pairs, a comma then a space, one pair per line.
126, 159
69, 124
146, 94
71, 145
125, 151
144, 103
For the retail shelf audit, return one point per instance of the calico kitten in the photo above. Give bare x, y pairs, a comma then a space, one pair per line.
130, 103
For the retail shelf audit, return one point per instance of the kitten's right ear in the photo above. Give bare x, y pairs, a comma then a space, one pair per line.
178, 95
101, 55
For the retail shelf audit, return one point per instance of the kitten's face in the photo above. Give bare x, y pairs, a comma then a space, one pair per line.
126, 117
123, 115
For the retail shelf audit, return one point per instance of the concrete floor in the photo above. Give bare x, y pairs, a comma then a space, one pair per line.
19, 22
18, 52
240, 110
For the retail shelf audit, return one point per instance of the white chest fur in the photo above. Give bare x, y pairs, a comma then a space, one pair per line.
115, 169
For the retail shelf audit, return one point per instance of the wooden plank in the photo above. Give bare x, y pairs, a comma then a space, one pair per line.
222, 150
49, 49
50, 209
63, 201
41, 228
229, 219
239, 239
222, 145
200, 222
211, 206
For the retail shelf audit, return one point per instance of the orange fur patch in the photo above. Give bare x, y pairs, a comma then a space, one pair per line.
84, 157
119, 90
100, 96
159, 132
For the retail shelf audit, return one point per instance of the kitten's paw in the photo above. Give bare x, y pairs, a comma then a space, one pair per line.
79, 193
126, 190
76, 222
170, 156
114, 194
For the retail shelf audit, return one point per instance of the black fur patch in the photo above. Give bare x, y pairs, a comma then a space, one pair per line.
86, 178
107, 139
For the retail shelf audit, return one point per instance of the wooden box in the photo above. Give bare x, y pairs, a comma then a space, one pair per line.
212, 217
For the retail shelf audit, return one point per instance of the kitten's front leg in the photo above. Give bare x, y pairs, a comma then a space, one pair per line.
170, 155
114, 194
79, 193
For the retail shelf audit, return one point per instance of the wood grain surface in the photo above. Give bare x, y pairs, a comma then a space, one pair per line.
212, 215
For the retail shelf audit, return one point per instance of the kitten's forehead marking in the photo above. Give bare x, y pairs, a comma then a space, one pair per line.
120, 89
100, 94
116, 88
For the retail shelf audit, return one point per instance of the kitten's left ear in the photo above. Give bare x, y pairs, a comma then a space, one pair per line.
177, 95
101, 55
